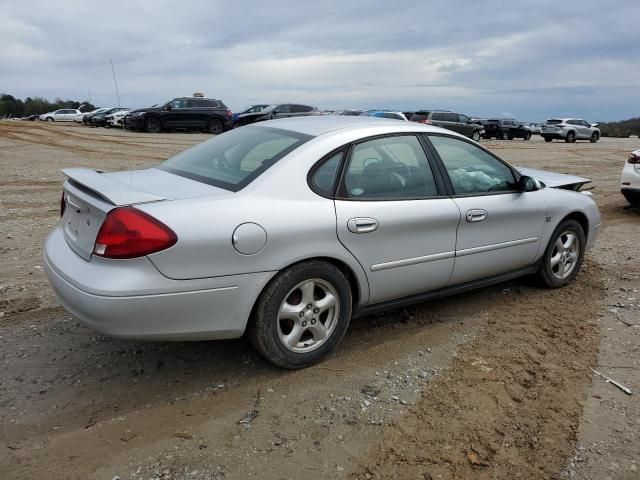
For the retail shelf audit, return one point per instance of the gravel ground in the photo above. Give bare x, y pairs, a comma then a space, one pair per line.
490, 384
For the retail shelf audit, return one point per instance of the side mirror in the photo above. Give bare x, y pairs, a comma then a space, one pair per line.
595, 124
528, 184
168, 107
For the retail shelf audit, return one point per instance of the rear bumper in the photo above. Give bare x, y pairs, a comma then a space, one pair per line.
131, 299
632, 195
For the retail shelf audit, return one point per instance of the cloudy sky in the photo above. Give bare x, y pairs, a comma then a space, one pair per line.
532, 59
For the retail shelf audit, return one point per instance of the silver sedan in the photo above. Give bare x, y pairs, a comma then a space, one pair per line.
289, 228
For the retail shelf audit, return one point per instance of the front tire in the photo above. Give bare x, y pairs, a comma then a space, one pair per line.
505, 136
527, 136
153, 125
595, 137
564, 254
49, 119
571, 137
302, 314
475, 136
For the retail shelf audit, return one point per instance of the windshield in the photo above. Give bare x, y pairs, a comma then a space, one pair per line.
234, 159
254, 108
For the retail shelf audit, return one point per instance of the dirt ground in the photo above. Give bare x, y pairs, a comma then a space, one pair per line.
492, 384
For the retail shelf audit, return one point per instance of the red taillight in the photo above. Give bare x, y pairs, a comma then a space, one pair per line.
129, 233
63, 205
634, 159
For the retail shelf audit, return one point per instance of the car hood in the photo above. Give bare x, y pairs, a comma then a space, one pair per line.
145, 110
555, 180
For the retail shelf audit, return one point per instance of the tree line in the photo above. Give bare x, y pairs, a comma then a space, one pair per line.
15, 107
623, 128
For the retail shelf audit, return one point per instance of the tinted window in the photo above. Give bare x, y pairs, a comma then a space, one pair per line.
554, 122
235, 158
212, 104
420, 116
305, 108
179, 103
585, 124
471, 169
438, 116
284, 109
393, 116
450, 117
463, 119
324, 177
389, 167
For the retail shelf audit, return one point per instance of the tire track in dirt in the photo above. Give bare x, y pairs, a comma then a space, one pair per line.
510, 405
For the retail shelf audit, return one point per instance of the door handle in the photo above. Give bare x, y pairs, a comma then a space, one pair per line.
362, 225
476, 215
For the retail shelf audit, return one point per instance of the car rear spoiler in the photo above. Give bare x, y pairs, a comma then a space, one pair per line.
109, 189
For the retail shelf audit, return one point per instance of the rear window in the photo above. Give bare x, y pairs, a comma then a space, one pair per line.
493, 122
234, 159
554, 122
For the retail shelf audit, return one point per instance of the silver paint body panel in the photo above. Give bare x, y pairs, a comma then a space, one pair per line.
204, 288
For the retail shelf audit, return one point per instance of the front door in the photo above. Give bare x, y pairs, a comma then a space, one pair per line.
394, 218
500, 227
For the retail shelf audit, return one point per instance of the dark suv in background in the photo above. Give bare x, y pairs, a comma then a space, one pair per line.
451, 121
184, 113
506, 129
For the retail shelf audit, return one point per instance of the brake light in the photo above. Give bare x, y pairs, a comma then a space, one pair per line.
129, 233
634, 159
63, 205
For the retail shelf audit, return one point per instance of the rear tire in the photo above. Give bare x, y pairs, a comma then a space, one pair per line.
563, 256
215, 126
153, 125
527, 136
548, 139
292, 327
50, 119
595, 137
505, 136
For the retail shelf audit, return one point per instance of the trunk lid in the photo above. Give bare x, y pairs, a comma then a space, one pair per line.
90, 195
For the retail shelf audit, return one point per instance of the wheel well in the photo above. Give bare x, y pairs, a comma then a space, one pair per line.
581, 218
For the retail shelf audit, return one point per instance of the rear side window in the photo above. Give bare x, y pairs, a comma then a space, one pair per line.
324, 178
420, 116
438, 116
450, 117
389, 168
471, 169
232, 160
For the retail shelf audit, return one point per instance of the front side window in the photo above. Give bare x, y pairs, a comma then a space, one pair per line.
178, 103
463, 119
471, 169
232, 160
284, 109
389, 168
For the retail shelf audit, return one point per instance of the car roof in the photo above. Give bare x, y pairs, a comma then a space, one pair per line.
319, 125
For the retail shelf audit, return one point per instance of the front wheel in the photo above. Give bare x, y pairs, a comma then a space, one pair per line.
595, 137
302, 314
153, 125
475, 136
505, 136
49, 119
527, 136
563, 256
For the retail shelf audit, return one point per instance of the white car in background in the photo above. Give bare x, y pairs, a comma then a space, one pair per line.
630, 179
61, 115
115, 119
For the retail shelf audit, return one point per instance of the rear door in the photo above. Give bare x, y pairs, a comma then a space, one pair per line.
500, 227
395, 218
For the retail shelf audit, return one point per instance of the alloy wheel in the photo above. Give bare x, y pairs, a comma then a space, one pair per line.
308, 315
565, 254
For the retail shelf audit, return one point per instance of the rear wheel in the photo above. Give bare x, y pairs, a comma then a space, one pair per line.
527, 136
153, 125
595, 137
215, 126
476, 136
505, 136
302, 314
571, 137
563, 256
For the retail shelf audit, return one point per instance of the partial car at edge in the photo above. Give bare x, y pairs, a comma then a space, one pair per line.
630, 179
